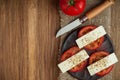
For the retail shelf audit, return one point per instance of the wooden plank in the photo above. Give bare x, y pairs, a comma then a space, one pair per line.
28, 47
48, 47
25, 29
115, 33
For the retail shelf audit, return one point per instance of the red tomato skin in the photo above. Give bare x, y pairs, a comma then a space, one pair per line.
77, 9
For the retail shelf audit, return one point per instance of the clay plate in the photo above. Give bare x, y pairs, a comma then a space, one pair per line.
70, 42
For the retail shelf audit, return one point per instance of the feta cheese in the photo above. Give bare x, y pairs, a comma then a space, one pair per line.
90, 37
102, 64
73, 61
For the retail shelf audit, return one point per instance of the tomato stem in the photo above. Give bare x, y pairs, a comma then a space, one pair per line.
71, 2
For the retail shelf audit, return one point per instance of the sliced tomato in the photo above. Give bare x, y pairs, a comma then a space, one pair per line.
94, 45
97, 56
70, 52
85, 30
105, 71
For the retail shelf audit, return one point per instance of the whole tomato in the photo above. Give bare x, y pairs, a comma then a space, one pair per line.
72, 7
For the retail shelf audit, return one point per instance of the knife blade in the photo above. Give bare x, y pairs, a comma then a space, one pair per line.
89, 15
71, 26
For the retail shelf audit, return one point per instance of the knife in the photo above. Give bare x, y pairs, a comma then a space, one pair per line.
89, 15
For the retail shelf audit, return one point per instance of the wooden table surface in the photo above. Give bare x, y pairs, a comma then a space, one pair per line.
28, 47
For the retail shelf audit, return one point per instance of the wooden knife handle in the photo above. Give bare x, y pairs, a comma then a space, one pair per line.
99, 9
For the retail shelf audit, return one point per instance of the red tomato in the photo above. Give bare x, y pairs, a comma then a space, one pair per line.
72, 7
97, 56
70, 52
94, 45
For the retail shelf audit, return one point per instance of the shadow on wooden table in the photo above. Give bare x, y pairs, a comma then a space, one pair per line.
54, 3
2, 77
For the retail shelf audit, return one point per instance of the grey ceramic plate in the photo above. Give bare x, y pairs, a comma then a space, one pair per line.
70, 42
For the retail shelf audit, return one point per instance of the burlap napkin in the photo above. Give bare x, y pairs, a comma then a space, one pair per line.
103, 19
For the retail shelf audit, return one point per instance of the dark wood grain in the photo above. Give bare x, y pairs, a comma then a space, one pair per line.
28, 47
115, 34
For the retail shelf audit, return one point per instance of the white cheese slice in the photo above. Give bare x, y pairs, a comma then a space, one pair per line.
73, 61
90, 36
102, 64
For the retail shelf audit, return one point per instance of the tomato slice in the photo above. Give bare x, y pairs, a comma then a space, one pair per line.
97, 56
94, 45
70, 52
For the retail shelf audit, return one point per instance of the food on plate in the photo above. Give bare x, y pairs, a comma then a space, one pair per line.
72, 7
73, 51
101, 63
93, 45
